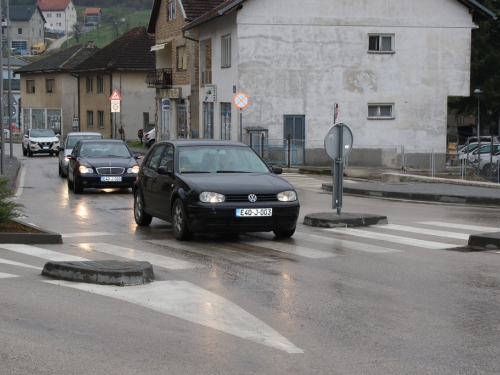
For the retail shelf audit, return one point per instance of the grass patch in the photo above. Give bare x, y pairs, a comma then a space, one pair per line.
135, 144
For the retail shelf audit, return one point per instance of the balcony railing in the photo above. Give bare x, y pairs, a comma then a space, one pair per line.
159, 77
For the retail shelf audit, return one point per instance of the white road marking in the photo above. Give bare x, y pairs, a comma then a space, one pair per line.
212, 251
461, 226
154, 259
7, 275
42, 253
12, 263
20, 188
289, 248
86, 234
391, 238
430, 232
192, 303
345, 244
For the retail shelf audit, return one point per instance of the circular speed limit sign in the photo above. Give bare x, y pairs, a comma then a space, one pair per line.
241, 100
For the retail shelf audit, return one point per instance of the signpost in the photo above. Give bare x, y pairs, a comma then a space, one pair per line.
338, 144
241, 101
115, 99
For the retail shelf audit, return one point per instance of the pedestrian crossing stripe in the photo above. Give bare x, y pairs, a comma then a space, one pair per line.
430, 232
6, 275
17, 264
461, 226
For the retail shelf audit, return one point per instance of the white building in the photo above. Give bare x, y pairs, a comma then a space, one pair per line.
60, 15
390, 66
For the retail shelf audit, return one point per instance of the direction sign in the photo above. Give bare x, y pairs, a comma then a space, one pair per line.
115, 95
241, 100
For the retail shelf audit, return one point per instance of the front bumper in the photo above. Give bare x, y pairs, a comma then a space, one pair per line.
221, 218
44, 149
94, 181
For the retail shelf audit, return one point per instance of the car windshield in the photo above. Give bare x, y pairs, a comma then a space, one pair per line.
72, 139
40, 133
104, 149
220, 159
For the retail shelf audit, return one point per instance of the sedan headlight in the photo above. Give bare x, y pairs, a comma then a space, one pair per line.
210, 197
83, 169
134, 169
287, 196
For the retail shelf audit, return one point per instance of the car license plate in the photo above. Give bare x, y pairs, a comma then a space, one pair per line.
108, 178
45, 147
240, 212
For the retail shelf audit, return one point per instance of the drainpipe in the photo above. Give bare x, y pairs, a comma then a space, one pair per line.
188, 37
77, 76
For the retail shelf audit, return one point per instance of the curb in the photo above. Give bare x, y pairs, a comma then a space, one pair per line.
44, 237
104, 272
332, 220
486, 241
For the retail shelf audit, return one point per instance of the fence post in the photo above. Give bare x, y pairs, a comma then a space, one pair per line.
404, 158
288, 149
262, 137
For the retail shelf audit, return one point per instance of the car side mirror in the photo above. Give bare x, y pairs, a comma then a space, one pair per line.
26, 136
137, 157
164, 171
71, 157
277, 170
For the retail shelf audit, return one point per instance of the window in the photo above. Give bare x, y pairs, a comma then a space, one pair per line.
49, 15
58, 24
225, 120
50, 85
171, 10
181, 58
90, 84
226, 51
58, 15
100, 119
384, 111
381, 43
90, 119
167, 158
30, 86
100, 85
20, 30
154, 158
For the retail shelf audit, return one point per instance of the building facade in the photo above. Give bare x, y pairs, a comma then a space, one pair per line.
26, 28
60, 15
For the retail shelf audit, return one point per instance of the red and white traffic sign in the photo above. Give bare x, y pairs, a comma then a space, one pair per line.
241, 100
115, 95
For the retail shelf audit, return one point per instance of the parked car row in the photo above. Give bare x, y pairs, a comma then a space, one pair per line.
200, 186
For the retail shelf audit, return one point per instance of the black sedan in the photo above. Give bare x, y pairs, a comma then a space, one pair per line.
101, 163
209, 186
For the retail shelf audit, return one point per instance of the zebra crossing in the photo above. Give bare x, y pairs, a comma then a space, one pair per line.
320, 244
302, 181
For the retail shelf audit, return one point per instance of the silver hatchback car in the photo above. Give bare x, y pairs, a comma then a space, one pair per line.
69, 142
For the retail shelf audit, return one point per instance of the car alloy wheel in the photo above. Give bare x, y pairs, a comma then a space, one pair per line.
179, 221
140, 216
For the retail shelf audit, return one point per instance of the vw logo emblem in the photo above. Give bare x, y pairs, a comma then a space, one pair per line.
252, 198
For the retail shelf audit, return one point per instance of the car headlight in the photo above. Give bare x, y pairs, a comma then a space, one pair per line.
287, 196
134, 169
83, 169
210, 197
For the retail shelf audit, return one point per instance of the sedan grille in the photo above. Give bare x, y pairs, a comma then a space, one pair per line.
244, 198
110, 170
45, 143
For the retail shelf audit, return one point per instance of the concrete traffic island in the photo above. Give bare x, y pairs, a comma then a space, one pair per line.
485, 241
104, 272
332, 220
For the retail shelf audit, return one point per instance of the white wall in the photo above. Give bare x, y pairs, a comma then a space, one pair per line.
298, 59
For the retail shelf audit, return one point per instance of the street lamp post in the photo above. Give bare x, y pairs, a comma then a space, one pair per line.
477, 94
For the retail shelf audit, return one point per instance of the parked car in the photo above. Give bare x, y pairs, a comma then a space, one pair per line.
210, 186
67, 146
484, 139
101, 163
149, 138
40, 141
489, 163
484, 151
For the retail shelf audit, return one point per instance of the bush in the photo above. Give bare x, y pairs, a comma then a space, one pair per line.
8, 209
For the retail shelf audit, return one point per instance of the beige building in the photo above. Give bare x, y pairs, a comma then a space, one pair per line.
49, 92
26, 27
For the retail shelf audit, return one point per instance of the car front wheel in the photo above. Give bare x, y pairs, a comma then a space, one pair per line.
284, 233
25, 152
141, 217
179, 222
77, 185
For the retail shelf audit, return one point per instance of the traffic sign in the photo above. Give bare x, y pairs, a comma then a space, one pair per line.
115, 95
241, 100
338, 141
115, 106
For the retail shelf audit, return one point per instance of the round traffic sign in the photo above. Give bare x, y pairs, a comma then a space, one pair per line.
241, 100
334, 146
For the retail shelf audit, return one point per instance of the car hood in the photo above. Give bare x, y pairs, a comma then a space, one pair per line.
44, 139
231, 183
109, 162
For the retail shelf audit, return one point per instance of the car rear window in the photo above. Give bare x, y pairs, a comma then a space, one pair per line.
75, 138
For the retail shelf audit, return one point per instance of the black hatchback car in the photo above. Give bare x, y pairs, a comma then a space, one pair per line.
101, 163
210, 186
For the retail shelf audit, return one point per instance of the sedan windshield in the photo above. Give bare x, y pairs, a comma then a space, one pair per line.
104, 149
40, 133
220, 159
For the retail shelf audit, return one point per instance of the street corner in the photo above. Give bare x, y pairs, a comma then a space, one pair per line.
104, 272
332, 220
485, 241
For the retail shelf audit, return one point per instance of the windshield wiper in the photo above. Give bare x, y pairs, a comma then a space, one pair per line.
233, 172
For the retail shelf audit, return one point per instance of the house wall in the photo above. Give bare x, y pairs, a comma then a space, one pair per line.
296, 60
67, 20
32, 32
